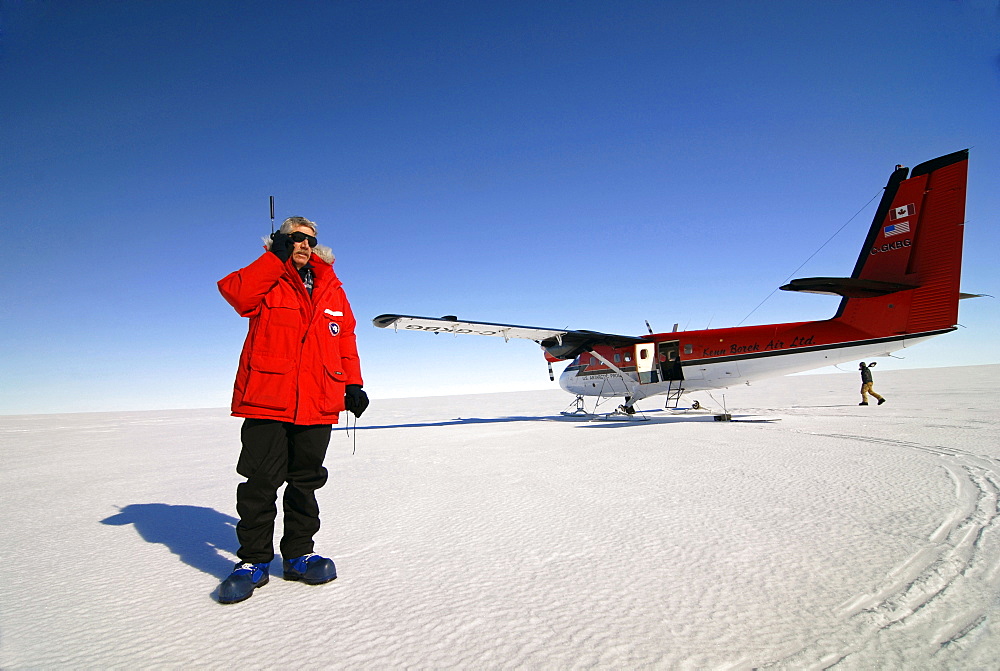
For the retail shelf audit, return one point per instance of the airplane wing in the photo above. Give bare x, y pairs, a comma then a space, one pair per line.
560, 343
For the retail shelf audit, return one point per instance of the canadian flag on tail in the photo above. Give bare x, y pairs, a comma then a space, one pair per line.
902, 212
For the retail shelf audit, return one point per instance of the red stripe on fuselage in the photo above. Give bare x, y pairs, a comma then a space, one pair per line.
743, 341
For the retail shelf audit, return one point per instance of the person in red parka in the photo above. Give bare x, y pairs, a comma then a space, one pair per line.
298, 371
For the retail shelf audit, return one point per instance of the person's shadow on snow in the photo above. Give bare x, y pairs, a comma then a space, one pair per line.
193, 533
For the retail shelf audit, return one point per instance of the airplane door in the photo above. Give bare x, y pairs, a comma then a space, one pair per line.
669, 359
644, 360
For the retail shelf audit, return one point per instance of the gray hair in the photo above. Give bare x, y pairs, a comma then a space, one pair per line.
322, 251
288, 224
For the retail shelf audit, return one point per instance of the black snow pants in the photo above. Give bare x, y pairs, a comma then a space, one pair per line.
275, 453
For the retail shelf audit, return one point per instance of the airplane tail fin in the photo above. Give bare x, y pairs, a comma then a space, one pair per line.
906, 280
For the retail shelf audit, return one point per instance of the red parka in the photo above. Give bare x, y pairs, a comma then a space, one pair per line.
300, 350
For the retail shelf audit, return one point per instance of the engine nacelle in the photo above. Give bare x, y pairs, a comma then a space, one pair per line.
567, 350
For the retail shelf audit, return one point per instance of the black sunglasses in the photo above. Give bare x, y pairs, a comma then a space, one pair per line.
299, 236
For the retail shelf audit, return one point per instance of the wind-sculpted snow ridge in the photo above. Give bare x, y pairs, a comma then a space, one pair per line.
491, 532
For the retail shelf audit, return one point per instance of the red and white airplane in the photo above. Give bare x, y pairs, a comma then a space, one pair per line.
904, 290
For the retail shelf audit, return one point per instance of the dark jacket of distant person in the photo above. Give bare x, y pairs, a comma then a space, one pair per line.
866, 374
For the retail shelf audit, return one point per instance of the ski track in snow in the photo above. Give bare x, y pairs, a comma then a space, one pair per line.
938, 596
489, 532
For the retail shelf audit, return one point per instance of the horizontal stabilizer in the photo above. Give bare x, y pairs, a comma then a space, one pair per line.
560, 343
848, 287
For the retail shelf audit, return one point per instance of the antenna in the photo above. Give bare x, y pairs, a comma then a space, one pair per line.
648, 327
272, 214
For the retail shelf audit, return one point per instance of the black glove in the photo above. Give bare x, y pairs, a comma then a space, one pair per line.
282, 246
355, 399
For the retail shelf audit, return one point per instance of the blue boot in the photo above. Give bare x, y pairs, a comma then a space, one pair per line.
241, 583
310, 569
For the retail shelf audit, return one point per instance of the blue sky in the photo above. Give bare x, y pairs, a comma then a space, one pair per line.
560, 164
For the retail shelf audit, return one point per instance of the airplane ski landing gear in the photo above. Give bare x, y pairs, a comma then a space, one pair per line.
579, 411
622, 414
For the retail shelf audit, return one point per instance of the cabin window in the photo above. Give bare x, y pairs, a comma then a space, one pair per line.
688, 349
628, 358
618, 358
643, 354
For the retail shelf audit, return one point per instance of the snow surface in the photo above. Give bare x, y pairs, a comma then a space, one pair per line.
490, 532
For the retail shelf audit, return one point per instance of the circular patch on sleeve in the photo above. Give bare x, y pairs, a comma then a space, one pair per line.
334, 328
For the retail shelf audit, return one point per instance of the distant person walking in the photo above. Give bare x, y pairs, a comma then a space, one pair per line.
298, 370
866, 386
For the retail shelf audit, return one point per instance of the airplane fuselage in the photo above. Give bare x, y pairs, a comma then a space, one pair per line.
719, 358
